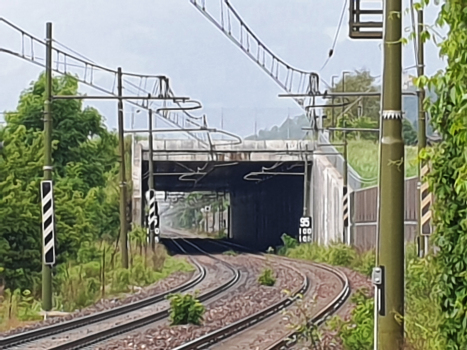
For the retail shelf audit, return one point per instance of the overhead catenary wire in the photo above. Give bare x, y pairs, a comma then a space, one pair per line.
72, 51
336, 36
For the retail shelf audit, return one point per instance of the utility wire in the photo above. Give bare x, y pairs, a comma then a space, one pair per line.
72, 51
331, 51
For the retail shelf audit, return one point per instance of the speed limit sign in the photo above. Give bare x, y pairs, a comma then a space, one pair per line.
306, 229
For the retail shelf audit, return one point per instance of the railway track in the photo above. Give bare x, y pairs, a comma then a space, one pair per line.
59, 331
286, 342
323, 314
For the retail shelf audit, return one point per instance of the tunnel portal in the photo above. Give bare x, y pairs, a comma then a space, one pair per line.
264, 181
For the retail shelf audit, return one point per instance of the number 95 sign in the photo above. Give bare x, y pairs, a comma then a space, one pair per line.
306, 229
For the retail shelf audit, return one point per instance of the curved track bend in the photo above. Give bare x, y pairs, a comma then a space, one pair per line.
257, 331
84, 331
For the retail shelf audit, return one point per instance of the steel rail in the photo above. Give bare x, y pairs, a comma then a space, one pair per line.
236, 327
146, 320
285, 343
39, 333
324, 313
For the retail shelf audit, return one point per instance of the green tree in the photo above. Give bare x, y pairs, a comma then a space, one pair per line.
84, 161
448, 175
358, 81
82, 144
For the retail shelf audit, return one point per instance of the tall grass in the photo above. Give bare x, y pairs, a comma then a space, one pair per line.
364, 155
17, 308
423, 314
81, 285
96, 274
337, 254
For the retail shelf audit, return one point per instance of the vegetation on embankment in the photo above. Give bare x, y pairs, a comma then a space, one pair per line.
86, 194
423, 314
96, 274
364, 159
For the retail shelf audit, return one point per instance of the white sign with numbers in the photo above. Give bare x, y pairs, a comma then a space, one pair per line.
306, 229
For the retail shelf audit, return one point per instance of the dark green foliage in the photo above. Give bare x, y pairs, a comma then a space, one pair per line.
448, 175
289, 242
84, 170
357, 333
361, 81
409, 133
267, 278
185, 309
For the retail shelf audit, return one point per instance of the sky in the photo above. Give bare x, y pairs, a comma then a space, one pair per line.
172, 38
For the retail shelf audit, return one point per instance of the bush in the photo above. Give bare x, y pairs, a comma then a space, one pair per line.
267, 278
185, 309
365, 263
357, 333
423, 314
341, 255
289, 243
120, 280
337, 254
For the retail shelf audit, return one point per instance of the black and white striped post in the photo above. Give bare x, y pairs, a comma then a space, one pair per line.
345, 211
48, 223
426, 199
153, 219
345, 190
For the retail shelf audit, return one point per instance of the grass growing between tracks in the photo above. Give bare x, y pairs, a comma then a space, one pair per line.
97, 274
423, 313
185, 309
266, 278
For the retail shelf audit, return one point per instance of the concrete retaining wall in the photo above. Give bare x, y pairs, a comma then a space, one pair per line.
326, 201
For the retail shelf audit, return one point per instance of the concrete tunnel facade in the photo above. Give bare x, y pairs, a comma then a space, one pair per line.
260, 211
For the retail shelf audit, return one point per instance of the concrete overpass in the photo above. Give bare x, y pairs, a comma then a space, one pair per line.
265, 181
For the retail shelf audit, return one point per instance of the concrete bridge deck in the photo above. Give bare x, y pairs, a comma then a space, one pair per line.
264, 179
248, 150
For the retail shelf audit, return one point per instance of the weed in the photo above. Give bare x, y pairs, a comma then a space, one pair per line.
17, 307
423, 314
185, 309
230, 253
365, 262
357, 333
300, 320
267, 278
